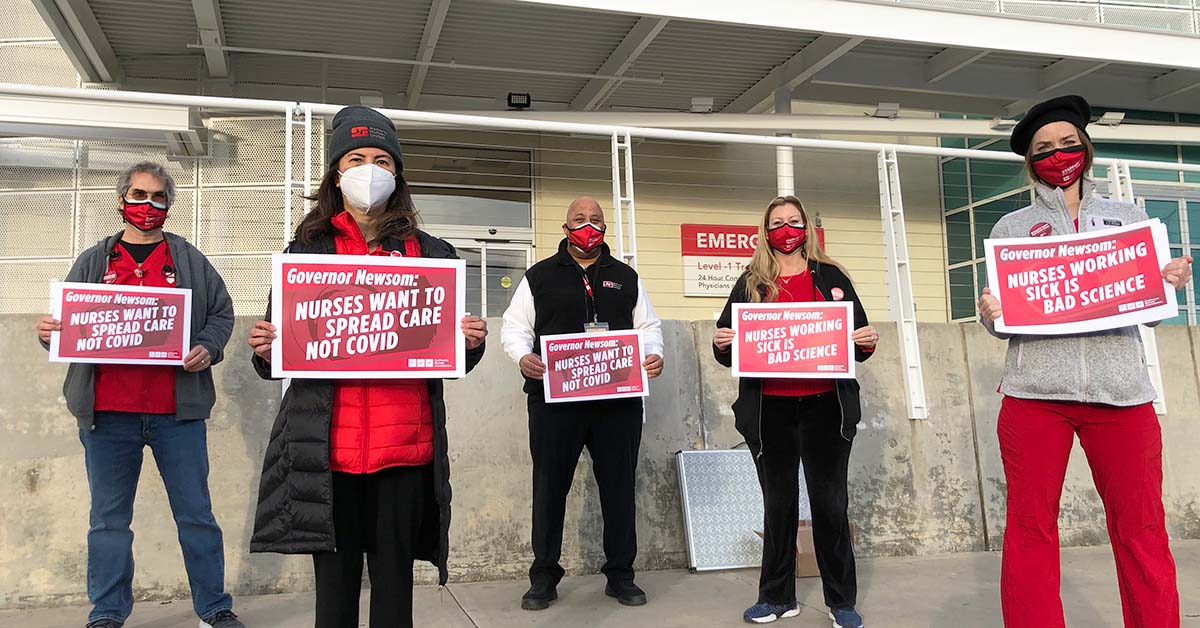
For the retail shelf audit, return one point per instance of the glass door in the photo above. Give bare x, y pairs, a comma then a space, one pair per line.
493, 271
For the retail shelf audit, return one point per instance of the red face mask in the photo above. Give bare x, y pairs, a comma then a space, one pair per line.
1060, 167
144, 215
787, 238
585, 237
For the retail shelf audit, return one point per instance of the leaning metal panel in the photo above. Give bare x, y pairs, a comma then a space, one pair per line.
723, 508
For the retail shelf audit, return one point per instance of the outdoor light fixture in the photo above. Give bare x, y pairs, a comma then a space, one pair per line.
702, 105
1002, 124
371, 101
519, 101
887, 110
1112, 118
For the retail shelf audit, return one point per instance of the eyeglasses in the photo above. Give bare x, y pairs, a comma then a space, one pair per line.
134, 194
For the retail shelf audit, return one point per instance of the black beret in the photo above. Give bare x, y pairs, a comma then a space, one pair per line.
359, 127
1073, 109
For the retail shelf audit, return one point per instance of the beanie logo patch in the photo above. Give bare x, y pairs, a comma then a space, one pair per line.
360, 131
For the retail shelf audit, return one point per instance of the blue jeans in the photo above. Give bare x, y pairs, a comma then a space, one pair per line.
113, 454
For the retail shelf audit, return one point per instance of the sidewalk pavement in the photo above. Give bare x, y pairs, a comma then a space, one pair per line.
949, 591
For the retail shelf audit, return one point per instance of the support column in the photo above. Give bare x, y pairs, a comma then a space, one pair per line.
785, 169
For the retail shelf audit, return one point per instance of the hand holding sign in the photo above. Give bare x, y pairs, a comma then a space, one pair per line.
47, 325
865, 338
475, 331
261, 337
1178, 272
197, 359
532, 366
653, 366
723, 338
988, 306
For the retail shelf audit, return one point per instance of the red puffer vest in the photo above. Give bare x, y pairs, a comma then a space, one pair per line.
377, 423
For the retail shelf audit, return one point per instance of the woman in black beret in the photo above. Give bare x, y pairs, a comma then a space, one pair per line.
1091, 385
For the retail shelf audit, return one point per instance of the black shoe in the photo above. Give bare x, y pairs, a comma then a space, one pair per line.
539, 597
104, 623
626, 593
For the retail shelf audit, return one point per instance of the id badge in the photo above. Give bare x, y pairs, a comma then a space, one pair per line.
595, 327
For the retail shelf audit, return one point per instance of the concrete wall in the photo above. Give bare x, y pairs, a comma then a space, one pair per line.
922, 487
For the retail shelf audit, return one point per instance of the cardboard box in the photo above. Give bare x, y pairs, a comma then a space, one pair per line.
806, 553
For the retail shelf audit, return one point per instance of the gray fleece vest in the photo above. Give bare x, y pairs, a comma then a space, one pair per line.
1107, 367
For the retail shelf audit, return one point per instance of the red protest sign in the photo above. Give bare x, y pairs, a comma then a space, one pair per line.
109, 324
793, 340
588, 366
358, 316
1082, 282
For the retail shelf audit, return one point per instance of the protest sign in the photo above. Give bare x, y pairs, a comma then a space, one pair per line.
1081, 282
599, 365
793, 340
109, 324
362, 316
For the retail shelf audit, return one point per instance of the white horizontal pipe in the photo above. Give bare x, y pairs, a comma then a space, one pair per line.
278, 106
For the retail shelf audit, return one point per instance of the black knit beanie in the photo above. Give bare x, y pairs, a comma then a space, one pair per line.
358, 127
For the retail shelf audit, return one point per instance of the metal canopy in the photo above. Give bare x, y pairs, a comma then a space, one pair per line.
609, 55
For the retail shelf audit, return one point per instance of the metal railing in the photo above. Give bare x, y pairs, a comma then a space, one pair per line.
1178, 16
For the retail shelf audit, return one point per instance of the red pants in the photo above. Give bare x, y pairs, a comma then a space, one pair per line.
1124, 450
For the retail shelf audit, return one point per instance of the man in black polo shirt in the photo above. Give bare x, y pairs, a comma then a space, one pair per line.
581, 288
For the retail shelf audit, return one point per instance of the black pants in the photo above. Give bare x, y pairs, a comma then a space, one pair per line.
384, 515
612, 432
796, 429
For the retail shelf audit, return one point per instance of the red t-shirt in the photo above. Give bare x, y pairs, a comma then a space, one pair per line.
138, 388
797, 289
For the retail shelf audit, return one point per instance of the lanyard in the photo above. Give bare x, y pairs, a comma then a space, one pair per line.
587, 286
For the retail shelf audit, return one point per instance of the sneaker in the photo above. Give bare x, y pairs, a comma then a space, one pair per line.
104, 623
539, 597
845, 618
763, 613
626, 592
222, 619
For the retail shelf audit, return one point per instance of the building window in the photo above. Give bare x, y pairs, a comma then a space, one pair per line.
481, 200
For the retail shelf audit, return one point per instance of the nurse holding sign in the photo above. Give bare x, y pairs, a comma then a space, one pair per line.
792, 330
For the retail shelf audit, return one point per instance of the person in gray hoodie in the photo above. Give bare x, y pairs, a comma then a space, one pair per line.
1094, 385
123, 408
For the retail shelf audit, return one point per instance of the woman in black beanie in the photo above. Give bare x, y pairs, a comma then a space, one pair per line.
358, 467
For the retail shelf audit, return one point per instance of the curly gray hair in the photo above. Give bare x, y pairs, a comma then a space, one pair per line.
153, 169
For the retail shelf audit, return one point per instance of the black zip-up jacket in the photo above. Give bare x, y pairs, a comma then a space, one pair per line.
295, 495
748, 406
562, 305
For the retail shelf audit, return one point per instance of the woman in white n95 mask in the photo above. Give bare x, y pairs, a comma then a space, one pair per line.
360, 467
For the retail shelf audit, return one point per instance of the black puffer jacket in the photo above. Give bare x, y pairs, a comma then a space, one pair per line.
295, 495
748, 405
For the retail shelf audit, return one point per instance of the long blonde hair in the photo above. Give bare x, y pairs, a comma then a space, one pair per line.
763, 273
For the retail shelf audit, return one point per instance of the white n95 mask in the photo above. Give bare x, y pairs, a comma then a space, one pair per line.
367, 187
